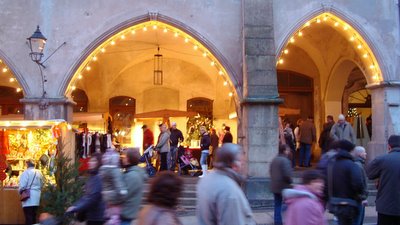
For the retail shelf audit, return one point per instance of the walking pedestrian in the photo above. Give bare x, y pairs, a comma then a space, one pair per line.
175, 138
342, 130
281, 178
205, 143
31, 179
325, 139
213, 146
228, 138
220, 199
165, 190
360, 155
290, 141
163, 146
307, 138
386, 169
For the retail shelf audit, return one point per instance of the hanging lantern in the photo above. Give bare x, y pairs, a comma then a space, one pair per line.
36, 43
158, 70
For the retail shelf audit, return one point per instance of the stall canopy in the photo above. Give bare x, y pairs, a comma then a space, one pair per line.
165, 113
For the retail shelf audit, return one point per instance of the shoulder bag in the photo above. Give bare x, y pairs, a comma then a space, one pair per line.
25, 193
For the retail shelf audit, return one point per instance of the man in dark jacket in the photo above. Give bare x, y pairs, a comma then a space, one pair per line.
205, 143
386, 168
345, 183
325, 137
307, 138
175, 137
228, 138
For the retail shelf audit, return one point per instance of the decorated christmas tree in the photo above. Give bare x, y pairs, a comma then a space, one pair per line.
193, 127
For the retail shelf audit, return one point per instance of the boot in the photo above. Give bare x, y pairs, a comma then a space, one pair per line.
204, 170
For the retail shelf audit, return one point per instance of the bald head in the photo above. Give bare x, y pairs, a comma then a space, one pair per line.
228, 156
359, 151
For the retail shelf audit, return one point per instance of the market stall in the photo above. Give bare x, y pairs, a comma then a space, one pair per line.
22, 140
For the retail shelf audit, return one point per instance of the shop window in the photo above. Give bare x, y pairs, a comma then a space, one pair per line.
202, 106
9, 101
122, 110
79, 96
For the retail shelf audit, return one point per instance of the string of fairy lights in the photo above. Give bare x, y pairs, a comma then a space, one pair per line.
87, 65
6, 71
357, 41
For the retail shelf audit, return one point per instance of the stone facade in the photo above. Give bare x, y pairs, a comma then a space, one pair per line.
245, 36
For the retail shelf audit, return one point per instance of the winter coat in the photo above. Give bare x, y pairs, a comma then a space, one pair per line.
303, 207
148, 138
205, 141
25, 181
228, 138
214, 143
361, 163
91, 202
386, 168
175, 137
156, 215
281, 174
221, 201
346, 177
113, 187
307, 132
325, 138
163, 142
343, 132
134, 178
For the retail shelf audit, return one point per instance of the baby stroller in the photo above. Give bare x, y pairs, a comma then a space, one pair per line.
188, 165
146, 157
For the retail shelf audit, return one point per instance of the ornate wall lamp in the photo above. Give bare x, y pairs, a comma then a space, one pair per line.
36, 43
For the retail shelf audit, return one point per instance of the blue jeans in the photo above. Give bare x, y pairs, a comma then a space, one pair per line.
277, 209
361, 212
203, 158
305, 154
172, 158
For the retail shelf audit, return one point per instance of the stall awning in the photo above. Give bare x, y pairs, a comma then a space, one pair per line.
29, 123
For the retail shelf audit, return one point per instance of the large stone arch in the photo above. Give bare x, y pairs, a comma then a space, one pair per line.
16, 73
234, 78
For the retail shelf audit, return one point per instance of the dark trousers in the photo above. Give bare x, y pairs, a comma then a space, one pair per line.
388, 220
30, 214
347, 215
164, 164
278, 209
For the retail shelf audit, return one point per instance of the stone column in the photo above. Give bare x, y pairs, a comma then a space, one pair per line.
385, 116
259, 107
48, 108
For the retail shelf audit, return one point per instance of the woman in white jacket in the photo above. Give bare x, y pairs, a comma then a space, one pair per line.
31, 179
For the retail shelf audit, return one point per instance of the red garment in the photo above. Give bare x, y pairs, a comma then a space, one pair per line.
4, 146
148, 138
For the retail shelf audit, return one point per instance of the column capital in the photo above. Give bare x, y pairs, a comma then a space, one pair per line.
383, 84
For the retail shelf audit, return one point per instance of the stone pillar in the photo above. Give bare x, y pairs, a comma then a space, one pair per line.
385, 116
259, 107
48, 108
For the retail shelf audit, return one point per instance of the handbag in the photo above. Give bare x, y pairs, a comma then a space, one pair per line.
25, 193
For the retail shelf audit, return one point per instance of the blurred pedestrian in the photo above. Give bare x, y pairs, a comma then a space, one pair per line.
91, 204
342, 130
290, 141
325, 138
148, 137
163, 146
297, 133
31, 179
386, 168
281, 178
213, 146
220, 199
134, 178
165, 190
304, 206
360, 155
175, 138
307, 138
228, 138
205, 143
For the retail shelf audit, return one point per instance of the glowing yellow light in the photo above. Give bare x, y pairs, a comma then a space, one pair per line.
204, 54
286, 51
69, 127
122, 37
212, 63
103, 50
195, 47
165, 30
352, 38
308, 24
372, 66
365, 55
1, 61
230, 94
336, 24
80, 76
5, 69
186, 40
73, 87
221, 72
281, 61
225, 83
19, 89
113, 42
359, 46
292, 40
154, 27
326, 18
12, 80
88, 68
300, 34
133, 32
94, 58
375, 77
318, 20
144, 28
8, 123
345, 27
176, 34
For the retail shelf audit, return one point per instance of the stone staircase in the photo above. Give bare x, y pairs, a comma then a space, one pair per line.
187, 205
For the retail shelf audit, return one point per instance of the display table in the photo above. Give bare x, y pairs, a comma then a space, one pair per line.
10, 207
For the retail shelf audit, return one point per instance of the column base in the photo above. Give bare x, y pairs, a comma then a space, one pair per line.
258, 193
